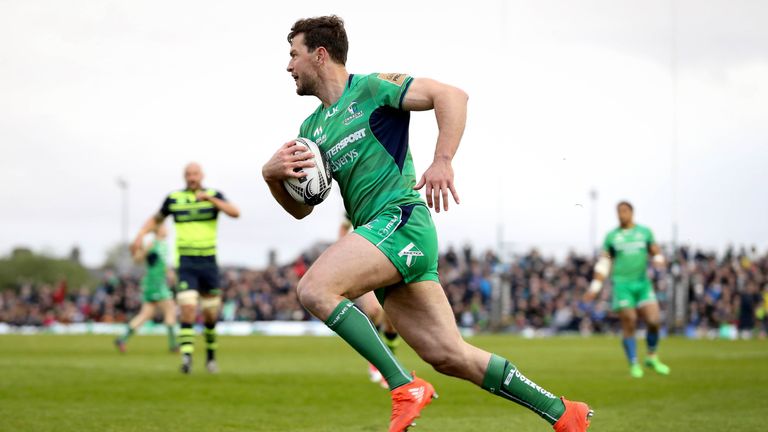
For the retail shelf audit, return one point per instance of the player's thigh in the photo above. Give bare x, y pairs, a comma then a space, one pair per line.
422, 315
627, 316
167, 306
350, 267
147, 309
371, 307
649, 312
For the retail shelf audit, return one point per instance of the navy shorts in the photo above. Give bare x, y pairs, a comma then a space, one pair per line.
199, 273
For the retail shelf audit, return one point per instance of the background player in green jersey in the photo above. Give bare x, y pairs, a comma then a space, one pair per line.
155, 292
628, 248
195, 212
362, 126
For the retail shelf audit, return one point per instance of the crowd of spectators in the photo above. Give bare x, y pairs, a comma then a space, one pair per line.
537, 294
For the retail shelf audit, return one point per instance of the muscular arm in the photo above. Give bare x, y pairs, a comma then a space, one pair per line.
225, 206
280, 167
344, 228
450, 105
145, 229
657, 259
602, 269
139, 254
295, 208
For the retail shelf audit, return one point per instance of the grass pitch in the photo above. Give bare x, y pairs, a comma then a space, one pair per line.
81, 383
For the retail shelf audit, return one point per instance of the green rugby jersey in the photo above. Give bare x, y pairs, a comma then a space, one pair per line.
365, 136
195, 222
629, 249
156, 259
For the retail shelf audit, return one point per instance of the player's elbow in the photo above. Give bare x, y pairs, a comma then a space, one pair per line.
155, 219
300, 213
454, 93
446, 93
461, 95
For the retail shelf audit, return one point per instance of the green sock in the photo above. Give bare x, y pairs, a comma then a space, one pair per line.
503, 379
186, 339
128, 333
210, 341
356, 329
171, 337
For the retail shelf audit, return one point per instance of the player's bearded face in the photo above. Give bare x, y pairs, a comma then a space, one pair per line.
301, 68
306, 85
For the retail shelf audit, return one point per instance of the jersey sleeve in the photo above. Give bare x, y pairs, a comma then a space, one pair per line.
389, 89
218, 194
607, 245
650, 238
165, 209
303, 133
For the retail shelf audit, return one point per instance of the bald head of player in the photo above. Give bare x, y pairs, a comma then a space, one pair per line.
625, 212
193, 176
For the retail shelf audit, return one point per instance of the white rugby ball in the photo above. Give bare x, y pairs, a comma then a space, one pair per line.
313, 188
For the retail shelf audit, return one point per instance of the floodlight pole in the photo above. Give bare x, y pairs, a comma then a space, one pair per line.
123, 257
593, 221
123, 185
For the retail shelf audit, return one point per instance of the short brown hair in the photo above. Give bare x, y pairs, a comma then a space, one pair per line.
325, 31
625, 203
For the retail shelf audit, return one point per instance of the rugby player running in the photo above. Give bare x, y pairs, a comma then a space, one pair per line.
362, 125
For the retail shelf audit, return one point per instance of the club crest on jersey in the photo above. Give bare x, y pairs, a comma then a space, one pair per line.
353, 113
410, 252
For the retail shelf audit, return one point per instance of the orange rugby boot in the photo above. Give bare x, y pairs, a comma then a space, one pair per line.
575, 418
407, 403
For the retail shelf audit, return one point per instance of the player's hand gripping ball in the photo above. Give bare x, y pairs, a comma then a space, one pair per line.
313, 188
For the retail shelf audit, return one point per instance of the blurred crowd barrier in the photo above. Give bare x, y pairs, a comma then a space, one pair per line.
701, 294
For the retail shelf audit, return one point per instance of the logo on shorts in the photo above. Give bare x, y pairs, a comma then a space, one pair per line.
384, 231
410, 251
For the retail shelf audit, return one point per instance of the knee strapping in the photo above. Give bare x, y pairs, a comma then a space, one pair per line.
187, 297
210, 303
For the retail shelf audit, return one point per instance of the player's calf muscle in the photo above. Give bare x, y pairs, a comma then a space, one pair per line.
450, 359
